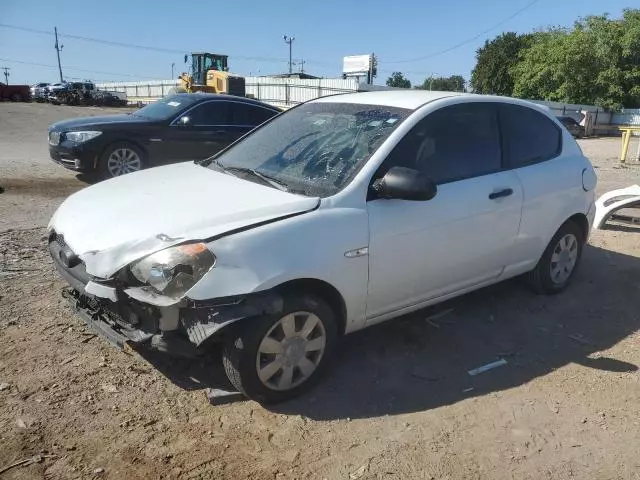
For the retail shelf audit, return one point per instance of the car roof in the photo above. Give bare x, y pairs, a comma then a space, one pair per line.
414, 99
201, 97
411, 99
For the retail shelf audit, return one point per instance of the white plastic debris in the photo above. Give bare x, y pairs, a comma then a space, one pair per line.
487, 367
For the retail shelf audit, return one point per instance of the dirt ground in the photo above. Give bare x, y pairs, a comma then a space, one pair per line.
398, 403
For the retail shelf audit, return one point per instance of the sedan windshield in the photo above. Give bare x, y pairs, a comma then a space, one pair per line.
315, 149
167, 107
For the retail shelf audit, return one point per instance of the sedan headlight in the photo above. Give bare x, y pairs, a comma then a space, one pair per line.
173, 271
82, 136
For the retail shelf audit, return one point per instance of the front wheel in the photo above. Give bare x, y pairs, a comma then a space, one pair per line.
559, 261
119, 159
273, 358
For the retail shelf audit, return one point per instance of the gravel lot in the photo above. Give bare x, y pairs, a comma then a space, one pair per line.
400, 405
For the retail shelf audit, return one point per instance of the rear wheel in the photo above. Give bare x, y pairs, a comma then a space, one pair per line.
272, 358
119, 159
559, 261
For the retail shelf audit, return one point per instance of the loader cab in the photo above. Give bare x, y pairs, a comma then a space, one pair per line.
201, 63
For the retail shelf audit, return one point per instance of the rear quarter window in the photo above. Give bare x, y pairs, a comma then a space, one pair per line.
528, 136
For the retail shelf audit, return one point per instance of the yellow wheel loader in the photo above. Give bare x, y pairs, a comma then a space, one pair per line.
210, 74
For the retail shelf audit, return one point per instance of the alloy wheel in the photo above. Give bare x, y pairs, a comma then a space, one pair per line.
123, 160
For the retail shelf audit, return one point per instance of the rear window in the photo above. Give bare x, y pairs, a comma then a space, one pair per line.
529, 136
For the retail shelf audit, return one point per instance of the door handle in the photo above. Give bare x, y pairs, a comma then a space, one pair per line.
505, 192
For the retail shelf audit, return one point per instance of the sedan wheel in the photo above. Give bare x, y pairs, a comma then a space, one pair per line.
559, 260
291, 351
564, 258
123, 160
272, 358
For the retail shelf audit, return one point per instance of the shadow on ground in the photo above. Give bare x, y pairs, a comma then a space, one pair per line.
411, 364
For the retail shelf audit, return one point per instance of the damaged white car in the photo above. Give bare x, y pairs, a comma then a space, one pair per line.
333, 216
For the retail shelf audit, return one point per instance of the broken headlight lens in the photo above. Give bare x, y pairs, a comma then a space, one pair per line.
82, 136
173, 271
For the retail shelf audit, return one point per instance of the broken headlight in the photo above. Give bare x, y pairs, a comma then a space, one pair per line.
173, 271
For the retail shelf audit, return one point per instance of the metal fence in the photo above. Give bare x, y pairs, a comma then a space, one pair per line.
288, 92
141, 92
282, 92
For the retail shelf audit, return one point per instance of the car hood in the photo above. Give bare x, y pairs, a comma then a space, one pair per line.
100, 121
115, 222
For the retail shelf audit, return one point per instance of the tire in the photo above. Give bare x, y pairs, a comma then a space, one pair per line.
244, 350
107, 165
556, 267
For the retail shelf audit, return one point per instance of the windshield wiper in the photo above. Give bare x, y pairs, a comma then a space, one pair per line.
274, 182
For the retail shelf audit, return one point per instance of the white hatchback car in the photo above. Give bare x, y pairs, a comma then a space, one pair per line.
333, 216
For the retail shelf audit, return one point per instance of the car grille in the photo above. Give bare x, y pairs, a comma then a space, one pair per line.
60, 239
54, 138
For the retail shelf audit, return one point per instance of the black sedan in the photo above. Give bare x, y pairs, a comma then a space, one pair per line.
177, 128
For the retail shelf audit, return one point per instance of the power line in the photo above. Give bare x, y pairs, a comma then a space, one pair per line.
76, 69
469, 40
127, 45
145, 47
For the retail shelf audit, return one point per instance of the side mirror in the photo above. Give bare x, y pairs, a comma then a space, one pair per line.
184, 121
405, 184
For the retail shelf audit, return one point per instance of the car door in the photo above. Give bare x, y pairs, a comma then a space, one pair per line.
533, 147
464, 236
246, 116
199, 132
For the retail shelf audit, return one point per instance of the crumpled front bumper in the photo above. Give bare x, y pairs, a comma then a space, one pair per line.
120, 314
107, 326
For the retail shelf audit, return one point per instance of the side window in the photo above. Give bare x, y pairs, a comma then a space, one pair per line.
453, 143
249, 115
529, 136
214, 113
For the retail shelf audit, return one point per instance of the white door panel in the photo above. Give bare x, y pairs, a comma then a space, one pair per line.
552, 193
420, 250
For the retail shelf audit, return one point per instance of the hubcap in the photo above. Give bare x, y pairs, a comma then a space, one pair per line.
291, 351
564, 258
123, 160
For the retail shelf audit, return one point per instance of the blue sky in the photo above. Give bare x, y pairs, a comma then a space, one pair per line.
251, 31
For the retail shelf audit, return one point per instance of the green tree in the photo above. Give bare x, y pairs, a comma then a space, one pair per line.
495, 61
397, 79
454, 83
595, 62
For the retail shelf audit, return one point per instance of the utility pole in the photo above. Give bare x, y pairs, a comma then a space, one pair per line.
301, 63
289, 40
6, 74
58, 48
173, 65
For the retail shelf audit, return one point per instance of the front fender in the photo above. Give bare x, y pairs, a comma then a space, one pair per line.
310, 246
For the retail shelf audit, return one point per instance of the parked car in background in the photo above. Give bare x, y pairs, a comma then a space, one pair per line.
338, 214
572, 125
54, 90
39, 91
86, 93
15, 93
177, 128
